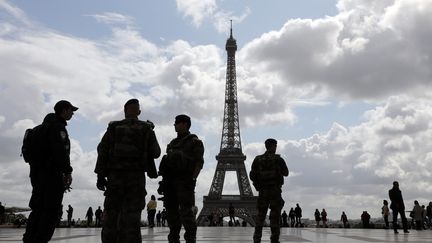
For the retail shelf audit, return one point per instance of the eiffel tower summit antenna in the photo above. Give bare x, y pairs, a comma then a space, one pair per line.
230, 157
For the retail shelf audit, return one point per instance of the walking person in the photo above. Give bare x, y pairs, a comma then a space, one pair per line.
2, 211
324, 218
385, 211
69, 212
158, 219
344, 220
291, 215
429, 215
231, 212
180, 168
267, 175
365, 218
151, 211
418, 213
89, 216
163, 217
298, 215
284, 219
98, 217
48, 154
317, 215
398, 207
125, 153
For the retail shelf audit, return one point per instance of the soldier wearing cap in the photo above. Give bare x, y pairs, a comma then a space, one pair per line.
127, 150
180, 168
50, 176
267, 175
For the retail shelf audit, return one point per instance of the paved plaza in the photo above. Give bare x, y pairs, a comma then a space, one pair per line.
238, 234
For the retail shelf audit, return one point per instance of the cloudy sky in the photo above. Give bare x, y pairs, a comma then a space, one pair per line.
342, 84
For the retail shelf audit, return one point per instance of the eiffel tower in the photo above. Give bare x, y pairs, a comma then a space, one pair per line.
230, 157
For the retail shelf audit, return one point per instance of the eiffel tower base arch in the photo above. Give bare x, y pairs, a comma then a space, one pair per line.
244, 207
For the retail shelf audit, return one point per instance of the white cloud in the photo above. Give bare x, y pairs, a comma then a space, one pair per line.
113, 18
200, 10
368, 51
14, 11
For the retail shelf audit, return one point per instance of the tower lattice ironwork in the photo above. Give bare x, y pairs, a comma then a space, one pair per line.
230, 157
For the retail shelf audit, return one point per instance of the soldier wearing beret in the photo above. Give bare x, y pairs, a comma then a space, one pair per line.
127, 150
267, 175
180, 168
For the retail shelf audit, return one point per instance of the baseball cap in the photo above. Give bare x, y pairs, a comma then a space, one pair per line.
63, 104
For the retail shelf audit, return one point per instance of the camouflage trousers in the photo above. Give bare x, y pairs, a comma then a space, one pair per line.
179, 199
124, 201
269, 198
45, 202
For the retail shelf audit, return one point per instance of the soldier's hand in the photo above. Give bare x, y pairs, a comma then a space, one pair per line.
101, 183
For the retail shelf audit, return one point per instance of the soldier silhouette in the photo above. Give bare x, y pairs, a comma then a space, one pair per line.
50, 173
267, 174
127, 150
180, 168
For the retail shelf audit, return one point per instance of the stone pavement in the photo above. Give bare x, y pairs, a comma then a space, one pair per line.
239, 234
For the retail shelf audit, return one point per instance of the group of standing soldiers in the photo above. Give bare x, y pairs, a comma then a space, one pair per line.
126, 152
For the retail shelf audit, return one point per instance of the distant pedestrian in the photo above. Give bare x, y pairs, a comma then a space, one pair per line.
298, 213
429, 214
317, 215
69, 212
324, 218
220, 221
398, 207
291, 215
418, 213
231, 212
98, 217
158, 219
163, 217
2, 212
385, 211
89, 216
151, 211
284, 219
365, 218
344, 220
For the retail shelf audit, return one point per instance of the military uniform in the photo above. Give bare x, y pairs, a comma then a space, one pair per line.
184, 154
46, 178
126, 151
267, 175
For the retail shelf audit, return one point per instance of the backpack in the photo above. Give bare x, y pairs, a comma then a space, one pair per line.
269, 171
34, 145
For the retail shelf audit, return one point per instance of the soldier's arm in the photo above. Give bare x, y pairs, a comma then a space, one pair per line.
253, 172
103, 155
154, 148
198, 156
60, 148
284, 168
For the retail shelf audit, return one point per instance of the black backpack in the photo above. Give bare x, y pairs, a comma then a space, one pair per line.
34, 147
269, 171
